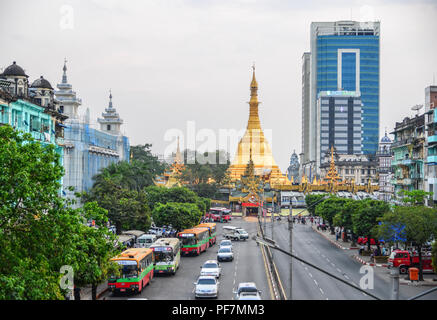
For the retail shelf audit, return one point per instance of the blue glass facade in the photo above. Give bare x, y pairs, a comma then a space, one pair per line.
350, 48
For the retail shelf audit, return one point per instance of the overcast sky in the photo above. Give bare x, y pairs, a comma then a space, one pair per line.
173, 61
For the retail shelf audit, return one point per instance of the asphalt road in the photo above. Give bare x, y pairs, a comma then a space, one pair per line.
248, 265
311, 284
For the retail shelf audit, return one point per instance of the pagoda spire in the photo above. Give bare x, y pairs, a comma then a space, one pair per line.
178, 157
110, 99
64, 76
332, 174
253, 122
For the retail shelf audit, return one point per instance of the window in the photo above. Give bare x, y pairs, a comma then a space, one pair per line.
108, 127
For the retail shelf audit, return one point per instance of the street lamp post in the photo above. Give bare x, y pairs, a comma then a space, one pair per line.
290, 228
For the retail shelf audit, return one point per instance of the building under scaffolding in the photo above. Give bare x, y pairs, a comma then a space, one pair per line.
88, 150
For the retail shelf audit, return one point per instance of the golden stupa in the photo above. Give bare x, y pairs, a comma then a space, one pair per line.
253, 144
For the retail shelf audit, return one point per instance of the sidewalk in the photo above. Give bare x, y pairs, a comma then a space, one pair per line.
85, 292
331, 237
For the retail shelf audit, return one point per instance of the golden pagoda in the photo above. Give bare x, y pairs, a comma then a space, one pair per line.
170, 176
332, 175
253, 145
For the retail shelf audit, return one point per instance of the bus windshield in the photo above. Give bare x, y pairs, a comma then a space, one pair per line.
188, 240
128, 268
163, 256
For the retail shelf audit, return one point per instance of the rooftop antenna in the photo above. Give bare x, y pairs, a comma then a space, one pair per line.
417, 107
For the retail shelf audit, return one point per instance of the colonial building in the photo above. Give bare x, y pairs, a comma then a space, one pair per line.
87, 149
357, 168
31, 109
408, 154
384, 156
431, 141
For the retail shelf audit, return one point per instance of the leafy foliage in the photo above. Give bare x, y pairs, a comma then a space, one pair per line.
310, 200
39, 232
179, 215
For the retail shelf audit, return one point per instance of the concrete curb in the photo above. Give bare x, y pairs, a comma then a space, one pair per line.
423, 284
360, 260
101, 293
332, 241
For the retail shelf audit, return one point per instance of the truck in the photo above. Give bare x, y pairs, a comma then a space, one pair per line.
404, 259
234, 233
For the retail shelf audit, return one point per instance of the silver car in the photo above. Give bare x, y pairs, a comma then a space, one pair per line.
206, 287
226, 243
225, 254
211, 268
247, 290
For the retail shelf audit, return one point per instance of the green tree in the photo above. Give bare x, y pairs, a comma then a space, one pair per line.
328, 208
415, 197
344, 217
179, 215
365, 219
311, 200
95, 248
127, 209
39, 232
418, 225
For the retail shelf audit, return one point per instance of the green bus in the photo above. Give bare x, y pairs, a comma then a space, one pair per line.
167, 252
194, 241
136, 270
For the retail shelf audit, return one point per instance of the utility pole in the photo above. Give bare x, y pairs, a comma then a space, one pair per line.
272, 216
290, 228
394, 274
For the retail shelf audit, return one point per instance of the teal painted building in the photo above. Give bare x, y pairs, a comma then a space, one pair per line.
409, 154
31, 109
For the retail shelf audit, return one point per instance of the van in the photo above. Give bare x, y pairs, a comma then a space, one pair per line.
145, 241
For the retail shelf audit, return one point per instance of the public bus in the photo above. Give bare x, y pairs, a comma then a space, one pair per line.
136, 270
194, 241
167, 253
212, 231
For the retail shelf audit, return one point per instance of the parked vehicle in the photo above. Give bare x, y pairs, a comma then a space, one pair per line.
145, 241
211, 268
167, 253
194, 241
156, 231
363, 241
206, 287
246, 289
136, 270
212, 233
404, 260
225, 254
219, 214
235, 233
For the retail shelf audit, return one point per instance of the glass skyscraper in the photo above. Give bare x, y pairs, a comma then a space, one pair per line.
345, 56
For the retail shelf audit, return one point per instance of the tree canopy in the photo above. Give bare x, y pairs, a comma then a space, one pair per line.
39, 232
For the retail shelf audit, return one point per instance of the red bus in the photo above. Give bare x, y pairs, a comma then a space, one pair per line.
212, 232
136, 270
194, 241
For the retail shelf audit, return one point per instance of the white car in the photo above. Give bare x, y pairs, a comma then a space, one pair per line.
225, 254
206, 287
249, 296
226, 243
211, 268
247, 290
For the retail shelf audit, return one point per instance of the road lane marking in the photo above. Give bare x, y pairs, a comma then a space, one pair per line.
309, 273
321, 290
316, 282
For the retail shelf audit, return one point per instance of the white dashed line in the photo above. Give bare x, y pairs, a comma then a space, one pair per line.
316, 282
310, 274
338, 270
321, 290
